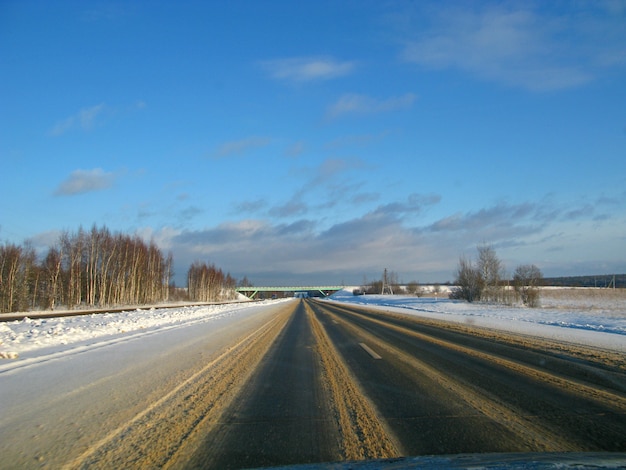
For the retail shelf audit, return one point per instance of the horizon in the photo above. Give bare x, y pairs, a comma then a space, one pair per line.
320, 141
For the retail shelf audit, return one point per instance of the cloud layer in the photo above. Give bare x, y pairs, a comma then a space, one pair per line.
362, 104
238, 147
84, 181
84, 119
306, 69
514, 45
394, 235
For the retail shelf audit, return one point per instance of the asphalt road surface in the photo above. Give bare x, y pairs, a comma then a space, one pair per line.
313, 381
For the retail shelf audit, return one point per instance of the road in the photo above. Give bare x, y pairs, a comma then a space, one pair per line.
314, 381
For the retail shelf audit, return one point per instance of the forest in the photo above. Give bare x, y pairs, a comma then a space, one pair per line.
98, 268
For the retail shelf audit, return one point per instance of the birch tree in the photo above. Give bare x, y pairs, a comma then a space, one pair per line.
10, 255
490, 269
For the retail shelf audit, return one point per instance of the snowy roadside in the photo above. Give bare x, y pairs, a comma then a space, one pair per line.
583, 320
573, 321
37, 336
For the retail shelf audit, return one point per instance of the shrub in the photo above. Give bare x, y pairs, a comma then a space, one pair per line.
526, 281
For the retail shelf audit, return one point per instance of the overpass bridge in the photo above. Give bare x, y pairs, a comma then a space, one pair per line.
289, 291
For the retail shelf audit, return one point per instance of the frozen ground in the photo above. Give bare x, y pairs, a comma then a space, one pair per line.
590, 317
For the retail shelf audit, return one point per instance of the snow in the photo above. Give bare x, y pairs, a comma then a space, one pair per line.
33, 338
588, 319
583, 319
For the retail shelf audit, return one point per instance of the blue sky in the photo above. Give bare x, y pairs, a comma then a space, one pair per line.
322, 141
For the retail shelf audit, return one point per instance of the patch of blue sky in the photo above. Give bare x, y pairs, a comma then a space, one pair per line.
429, 128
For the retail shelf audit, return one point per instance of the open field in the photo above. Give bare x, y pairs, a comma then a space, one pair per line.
591, 300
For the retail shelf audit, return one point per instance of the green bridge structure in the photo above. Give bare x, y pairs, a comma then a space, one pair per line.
289, 291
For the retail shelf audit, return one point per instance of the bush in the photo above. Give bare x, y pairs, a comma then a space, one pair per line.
468, 281
526, 281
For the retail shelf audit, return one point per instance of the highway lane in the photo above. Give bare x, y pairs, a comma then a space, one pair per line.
282, 415
446, 389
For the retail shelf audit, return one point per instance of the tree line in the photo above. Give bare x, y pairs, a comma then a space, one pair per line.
484, 280
207, 283
97, 268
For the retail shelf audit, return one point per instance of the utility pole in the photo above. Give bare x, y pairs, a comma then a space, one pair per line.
386, 286
612, 281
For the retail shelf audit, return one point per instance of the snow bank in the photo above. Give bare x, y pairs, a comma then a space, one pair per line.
33, 335
572, 320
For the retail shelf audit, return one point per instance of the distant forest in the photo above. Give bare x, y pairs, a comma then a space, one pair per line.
602, 280
96, 267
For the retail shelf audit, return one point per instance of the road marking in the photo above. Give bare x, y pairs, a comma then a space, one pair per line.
369, 351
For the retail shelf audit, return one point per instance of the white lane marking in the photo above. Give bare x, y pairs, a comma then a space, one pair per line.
369, 351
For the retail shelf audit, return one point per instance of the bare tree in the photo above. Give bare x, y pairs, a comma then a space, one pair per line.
30, 275
10, 257
414, 288
468, 281
490, 268
245, 282
526, 280
108, 253
19, 278
168, 275
52, 269
72, 248
207, 283
230, 284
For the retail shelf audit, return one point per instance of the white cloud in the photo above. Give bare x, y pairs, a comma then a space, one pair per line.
84, 181
303, 69
84, 119
238, 147
45, 240
363, 104
514, 46
162, 237
295, 150
62, 126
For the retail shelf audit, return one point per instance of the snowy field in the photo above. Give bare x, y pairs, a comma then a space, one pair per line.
589, 317
592, 317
